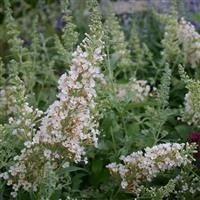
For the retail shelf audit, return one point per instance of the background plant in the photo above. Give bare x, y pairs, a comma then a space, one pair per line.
146, 98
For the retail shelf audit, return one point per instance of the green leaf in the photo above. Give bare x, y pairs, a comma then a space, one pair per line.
133, 129
97, 166
183, 131
72, 169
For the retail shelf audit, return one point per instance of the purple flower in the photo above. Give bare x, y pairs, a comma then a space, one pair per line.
60, 23
193, 5
162, 5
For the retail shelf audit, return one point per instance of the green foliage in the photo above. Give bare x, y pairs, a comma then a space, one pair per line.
141, 55
94, 38
192, 99
171, 51
7, 152
95, 24
16, 44
139, 102
31, 63
48, 182
117, 45
2, 72
161, 192
164, 89
69, 36
156, 117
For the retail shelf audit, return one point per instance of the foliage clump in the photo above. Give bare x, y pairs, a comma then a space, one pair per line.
98, 113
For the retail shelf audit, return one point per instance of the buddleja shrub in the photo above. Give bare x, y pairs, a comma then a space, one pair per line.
101, 115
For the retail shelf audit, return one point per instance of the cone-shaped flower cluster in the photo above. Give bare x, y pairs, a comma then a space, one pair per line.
70, 120
140, 167
191, 112
69, 125
22, 117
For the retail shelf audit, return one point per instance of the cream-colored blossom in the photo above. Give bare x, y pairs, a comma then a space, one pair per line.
135, 90
140, 167
69, 124
190, 41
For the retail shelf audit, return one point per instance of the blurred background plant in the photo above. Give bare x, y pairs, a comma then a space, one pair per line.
143, 103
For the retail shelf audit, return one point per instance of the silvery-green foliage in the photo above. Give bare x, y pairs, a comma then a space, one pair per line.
171, 50
13, 32
117, 44
132, 109
18, 52
164, 88
48, 182
160, 192
96, 32
7, 152
2, 72
190, 113
187, 184
157, 116
32, 64
141, 56
69, 37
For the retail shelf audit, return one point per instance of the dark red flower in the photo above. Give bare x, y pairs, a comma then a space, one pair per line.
194, 137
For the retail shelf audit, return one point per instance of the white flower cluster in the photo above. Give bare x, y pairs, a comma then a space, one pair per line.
69, 125
136, 90
70, 120
23, 117
192, 185
140, 167
23, 126
8, 100
190, 114
16, 175
190, 40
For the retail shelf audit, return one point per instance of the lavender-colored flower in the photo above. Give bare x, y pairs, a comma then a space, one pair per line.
193, 5
60, 23
165, 5
162, 5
